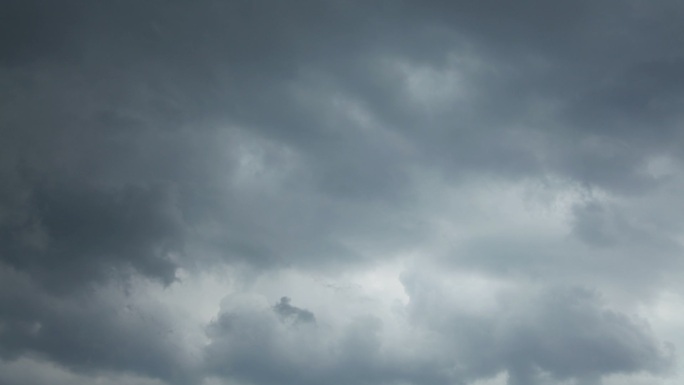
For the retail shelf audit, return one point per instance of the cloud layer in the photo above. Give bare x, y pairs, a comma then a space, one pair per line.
395, 192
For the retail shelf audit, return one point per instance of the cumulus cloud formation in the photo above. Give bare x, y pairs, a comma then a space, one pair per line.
558, 332
391, 192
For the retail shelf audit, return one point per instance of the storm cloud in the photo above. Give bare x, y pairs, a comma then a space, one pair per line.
388, 192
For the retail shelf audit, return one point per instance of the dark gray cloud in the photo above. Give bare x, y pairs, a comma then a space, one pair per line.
287, 311
34, 29
91, 332
69, 237
166, 139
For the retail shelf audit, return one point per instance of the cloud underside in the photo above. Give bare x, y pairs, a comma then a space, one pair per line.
464, 192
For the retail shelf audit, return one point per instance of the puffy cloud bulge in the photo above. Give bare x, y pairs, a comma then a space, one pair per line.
390, 192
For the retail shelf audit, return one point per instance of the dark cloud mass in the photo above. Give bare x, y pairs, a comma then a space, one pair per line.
287, 311
452, 192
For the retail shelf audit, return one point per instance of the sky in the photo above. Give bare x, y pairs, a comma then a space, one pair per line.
387, 192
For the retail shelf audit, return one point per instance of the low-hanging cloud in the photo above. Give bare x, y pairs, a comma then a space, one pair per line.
187, 150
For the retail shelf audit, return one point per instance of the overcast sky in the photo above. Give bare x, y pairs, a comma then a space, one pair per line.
467, 192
